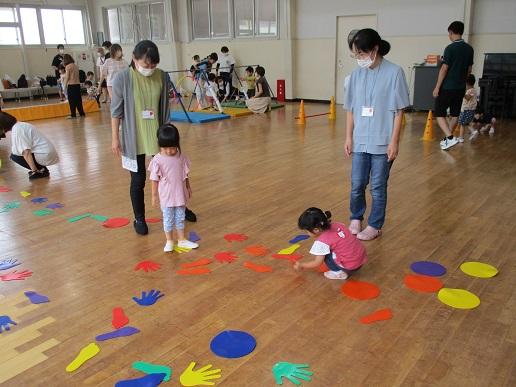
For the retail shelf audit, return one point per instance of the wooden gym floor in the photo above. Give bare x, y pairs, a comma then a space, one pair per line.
255, 175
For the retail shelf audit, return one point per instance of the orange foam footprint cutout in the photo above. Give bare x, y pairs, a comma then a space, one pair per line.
258, 268
289, 257
379, 315
257, 251
194, 271
423, 283
199, 262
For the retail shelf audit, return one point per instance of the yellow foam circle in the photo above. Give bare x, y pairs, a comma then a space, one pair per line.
458, 298
479, 269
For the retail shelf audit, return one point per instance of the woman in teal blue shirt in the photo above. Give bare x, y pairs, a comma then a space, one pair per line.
374, 100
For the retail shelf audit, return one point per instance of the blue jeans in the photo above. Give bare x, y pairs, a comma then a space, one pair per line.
365, 167
333, 266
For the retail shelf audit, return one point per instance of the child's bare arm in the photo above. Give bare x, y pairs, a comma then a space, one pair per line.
316, 262
154, 193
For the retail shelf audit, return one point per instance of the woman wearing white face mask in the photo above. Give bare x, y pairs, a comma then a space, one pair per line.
140, 103
374, 100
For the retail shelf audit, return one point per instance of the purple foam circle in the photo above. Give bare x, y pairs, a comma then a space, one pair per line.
430, 268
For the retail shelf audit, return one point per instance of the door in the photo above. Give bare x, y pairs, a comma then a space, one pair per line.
345, 64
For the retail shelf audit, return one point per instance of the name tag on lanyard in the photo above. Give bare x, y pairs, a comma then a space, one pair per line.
148, 114
367, 111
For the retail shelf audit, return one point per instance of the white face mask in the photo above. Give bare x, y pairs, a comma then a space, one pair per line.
365, 63
145, 72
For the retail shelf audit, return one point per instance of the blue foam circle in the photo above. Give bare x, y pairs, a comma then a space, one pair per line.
430, 268
233, 344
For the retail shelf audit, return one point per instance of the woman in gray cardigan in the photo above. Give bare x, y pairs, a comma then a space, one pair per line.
139, 106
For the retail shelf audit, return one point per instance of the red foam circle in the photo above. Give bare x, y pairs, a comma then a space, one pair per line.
360, 290
115, 222
422, 283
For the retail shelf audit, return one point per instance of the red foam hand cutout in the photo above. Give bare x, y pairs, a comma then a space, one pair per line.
119, 318
423, 283
322, 268
226, 256
147, 266
115, 222
235, 237
258, 268
199, 262
16, 275
289, 257
257, 251
360, 290
194, 271
4, 189
379, 315
153, 220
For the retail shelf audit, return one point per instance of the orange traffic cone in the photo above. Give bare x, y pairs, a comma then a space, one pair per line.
332, 115
301, 120
429, 128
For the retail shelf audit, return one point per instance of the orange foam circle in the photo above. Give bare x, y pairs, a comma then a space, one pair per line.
360, 290
422, 283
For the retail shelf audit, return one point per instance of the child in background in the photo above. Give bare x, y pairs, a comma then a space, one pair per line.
483, 123
92, 91
340, 250
169, 175
62, 83
226, 65
223, 89
469, 104
211, 89
90, 76
250, 79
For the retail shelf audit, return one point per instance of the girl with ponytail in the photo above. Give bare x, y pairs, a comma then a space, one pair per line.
374, 100
342, 253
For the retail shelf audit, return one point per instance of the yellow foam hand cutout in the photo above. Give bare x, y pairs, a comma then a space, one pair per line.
200, 377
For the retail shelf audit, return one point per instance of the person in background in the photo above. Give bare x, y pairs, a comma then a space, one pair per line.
250, 79
451, 82
469, 104
107, 49
101, 60
73, 86
113, 65
92, 91
261, 101
61, 81
58, 59
29, 148
226, 65
90, 76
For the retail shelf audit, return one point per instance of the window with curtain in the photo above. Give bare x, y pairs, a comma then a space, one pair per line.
134, 22
239, 18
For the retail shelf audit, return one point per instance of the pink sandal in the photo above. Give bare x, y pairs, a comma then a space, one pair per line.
369, 233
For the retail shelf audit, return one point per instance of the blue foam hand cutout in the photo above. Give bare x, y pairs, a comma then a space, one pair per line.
193, 237
36, 298
39, 200
9, 263
151, 380
53, 206
298, 238
148, 299
122, 332
5, 321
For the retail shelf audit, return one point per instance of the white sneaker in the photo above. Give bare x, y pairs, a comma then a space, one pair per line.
336, 275
491, 131
460, 139
448, 143
186, 244
169, 247
473, 135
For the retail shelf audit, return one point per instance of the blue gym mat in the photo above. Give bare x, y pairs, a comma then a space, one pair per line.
197, 118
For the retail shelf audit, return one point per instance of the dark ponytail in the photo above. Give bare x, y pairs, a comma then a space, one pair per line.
313, 218
367, 39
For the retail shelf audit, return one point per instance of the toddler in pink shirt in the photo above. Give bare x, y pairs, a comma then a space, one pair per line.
169, 175
340, 250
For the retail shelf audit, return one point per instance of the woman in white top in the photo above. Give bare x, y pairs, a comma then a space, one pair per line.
30, 148
102, 89
113, 66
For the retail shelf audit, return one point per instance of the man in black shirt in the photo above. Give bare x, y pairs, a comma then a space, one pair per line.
58, 60
451, 82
